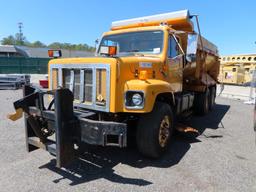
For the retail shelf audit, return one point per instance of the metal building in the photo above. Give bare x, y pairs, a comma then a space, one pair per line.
27, 60
23, 51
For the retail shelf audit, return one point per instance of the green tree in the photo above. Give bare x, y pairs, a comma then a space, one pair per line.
55, 45
20, 39
10, 40
37, 44
69, 46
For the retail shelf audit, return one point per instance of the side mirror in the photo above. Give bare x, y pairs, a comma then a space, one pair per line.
96, 42
192, 47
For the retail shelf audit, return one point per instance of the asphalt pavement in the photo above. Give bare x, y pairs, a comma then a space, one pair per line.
222, 158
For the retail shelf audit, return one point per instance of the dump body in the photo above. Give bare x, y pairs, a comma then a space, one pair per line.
203, 70
209, 53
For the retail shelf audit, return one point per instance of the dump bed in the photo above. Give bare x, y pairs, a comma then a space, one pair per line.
179, 20
203, 63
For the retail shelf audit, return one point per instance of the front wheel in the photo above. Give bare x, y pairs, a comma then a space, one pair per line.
154, 130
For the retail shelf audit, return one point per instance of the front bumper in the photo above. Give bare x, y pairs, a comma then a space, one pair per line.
103, 133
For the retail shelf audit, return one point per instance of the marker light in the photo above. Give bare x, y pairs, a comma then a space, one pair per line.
108, 50
112, 50
54, 53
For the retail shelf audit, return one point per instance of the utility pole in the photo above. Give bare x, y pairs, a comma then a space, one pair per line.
20, 34
96, 43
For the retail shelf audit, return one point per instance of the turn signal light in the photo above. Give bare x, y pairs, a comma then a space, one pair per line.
112, 50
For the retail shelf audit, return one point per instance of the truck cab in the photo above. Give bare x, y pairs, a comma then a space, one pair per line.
146, 59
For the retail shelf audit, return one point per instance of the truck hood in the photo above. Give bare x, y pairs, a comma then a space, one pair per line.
85, 60
105, 60
132, 62
125, 64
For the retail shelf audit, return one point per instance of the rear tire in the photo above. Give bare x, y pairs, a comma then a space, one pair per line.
201, 103
212, 97
154, 130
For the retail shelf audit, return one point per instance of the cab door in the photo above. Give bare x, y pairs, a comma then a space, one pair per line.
175, 63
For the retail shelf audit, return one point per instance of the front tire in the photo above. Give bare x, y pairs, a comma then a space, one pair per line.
154, 130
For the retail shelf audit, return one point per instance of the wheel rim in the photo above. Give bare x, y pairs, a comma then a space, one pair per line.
164, 131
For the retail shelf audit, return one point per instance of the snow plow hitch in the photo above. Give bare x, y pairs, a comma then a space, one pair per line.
58, 127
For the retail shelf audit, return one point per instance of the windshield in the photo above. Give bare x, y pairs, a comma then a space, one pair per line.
144, 42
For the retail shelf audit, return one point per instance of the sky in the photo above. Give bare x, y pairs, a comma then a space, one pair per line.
230, 24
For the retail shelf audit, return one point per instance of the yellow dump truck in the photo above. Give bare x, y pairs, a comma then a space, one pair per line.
147, 72
237, 69
232, 74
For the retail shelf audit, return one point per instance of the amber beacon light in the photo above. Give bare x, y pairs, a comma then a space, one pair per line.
54, 53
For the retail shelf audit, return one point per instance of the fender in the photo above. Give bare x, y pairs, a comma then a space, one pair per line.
151, 89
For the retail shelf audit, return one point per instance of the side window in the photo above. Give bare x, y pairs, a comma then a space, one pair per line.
173, 48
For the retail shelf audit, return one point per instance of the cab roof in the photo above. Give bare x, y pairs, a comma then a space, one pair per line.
135, 29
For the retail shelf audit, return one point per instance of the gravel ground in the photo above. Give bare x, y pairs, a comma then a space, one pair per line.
237, 92
222, 158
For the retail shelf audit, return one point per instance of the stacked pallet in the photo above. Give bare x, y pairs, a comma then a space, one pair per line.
14, 81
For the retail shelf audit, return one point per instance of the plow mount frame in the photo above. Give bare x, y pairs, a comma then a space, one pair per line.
70, 125
62, 119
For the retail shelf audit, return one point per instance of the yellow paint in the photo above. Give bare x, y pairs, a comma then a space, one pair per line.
151, 89
126, 73
143, 75
15, 116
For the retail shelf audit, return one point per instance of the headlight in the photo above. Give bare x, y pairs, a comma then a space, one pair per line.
137, 99
134, 100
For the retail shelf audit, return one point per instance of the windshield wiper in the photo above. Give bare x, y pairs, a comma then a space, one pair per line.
135, 52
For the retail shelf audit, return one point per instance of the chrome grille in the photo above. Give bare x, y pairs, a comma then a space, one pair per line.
76, 87
66, 78
89, 83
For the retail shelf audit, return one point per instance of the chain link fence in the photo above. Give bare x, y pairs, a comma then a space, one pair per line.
10, 65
